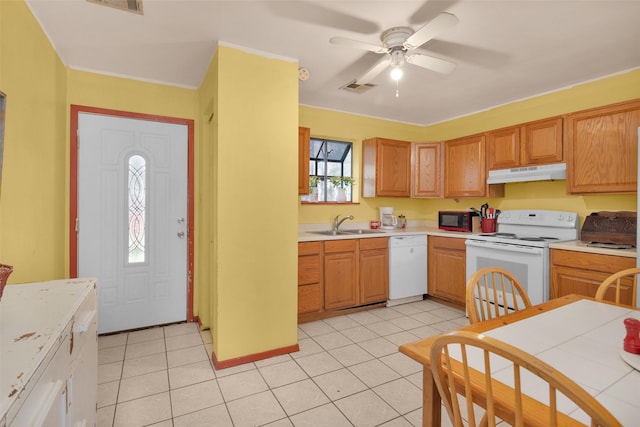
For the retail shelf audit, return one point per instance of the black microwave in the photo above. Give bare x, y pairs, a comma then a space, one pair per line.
456, 220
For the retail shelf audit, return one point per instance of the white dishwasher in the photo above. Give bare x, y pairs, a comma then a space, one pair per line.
407, 269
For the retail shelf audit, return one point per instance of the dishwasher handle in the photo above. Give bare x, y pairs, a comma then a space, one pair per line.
411, 240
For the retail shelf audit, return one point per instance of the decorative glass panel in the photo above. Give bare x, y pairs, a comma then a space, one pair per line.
137, 209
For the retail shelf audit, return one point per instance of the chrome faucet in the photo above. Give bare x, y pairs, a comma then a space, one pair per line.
337, 222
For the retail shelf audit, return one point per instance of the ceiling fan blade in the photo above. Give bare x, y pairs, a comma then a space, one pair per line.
373, 72
317, 14
432, 63
432, 29
357, 44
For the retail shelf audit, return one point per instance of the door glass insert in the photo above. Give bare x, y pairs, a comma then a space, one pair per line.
137, 192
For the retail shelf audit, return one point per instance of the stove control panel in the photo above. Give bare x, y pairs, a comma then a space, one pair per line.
542, 218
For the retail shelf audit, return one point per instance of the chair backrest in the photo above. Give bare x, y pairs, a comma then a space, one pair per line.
621, 286
490, 285
464, 367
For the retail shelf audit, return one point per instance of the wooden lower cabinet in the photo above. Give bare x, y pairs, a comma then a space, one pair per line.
581, 273
447, 262
374, 270
310, 290
341, 274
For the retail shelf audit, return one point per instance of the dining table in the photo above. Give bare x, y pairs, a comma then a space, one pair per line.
578, 336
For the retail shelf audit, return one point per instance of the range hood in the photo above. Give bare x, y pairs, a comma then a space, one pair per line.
529, 173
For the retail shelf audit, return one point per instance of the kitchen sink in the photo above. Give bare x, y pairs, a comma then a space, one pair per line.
362, 231
347, 232
331, 232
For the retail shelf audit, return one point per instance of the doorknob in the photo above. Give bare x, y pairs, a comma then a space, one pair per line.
180, 220
181, 234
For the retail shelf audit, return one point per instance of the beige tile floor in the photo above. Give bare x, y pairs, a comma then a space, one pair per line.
348, 372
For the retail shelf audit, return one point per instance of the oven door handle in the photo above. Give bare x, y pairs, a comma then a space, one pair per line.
532, 250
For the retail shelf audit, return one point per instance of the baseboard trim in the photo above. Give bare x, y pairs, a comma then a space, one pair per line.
222, 364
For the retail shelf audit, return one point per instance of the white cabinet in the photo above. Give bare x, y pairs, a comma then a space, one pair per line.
49, 354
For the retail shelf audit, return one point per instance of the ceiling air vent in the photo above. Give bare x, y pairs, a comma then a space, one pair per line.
134, 6
356, 88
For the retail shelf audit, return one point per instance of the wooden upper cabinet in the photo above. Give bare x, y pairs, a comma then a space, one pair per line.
503, 148
465, 168
541, 142
602, 149
533, 143
426, 163
303, 160
386, 168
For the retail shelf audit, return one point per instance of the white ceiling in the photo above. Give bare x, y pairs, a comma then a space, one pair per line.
504, 50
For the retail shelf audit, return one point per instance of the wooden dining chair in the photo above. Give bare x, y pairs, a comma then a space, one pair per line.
464, 366
622, 287
491, 284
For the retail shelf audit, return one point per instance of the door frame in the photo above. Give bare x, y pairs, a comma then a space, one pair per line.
76, 110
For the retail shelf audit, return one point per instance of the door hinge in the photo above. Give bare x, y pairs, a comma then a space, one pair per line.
77, 225
78, 138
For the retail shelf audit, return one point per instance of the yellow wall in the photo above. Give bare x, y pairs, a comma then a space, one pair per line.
32, 206
542, 195
255, 194
246, 162
354, 128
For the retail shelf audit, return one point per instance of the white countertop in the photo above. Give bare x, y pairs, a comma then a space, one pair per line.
578, 246
32, 316
305, 234
305, 231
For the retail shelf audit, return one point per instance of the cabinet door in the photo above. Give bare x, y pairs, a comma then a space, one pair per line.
426, 163
567, 281
303, 160
341, 278
542, 142
503, 148
447, 268
386, 168
465, 172
374, 270
602, 149
340, 274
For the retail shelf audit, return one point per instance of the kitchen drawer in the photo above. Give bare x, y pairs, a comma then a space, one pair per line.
309, 248
374, 243
594, 262
349, 245
310, 298
309, 269
44, 399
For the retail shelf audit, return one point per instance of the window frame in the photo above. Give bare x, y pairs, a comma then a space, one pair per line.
321, 159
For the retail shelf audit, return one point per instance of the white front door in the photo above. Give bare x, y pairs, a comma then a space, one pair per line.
132, 219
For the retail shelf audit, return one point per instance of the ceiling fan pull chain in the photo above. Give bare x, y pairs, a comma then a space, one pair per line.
397, 89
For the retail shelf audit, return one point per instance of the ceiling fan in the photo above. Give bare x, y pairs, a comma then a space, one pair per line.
397, 44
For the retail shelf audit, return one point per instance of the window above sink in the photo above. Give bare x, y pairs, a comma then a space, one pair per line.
330, 171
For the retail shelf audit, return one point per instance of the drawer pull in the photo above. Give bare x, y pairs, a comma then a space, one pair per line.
83, 325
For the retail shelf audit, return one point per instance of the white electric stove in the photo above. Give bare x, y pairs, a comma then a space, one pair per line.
521, 246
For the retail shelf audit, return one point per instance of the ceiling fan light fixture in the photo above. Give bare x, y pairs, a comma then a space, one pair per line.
396, 73
397, 57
